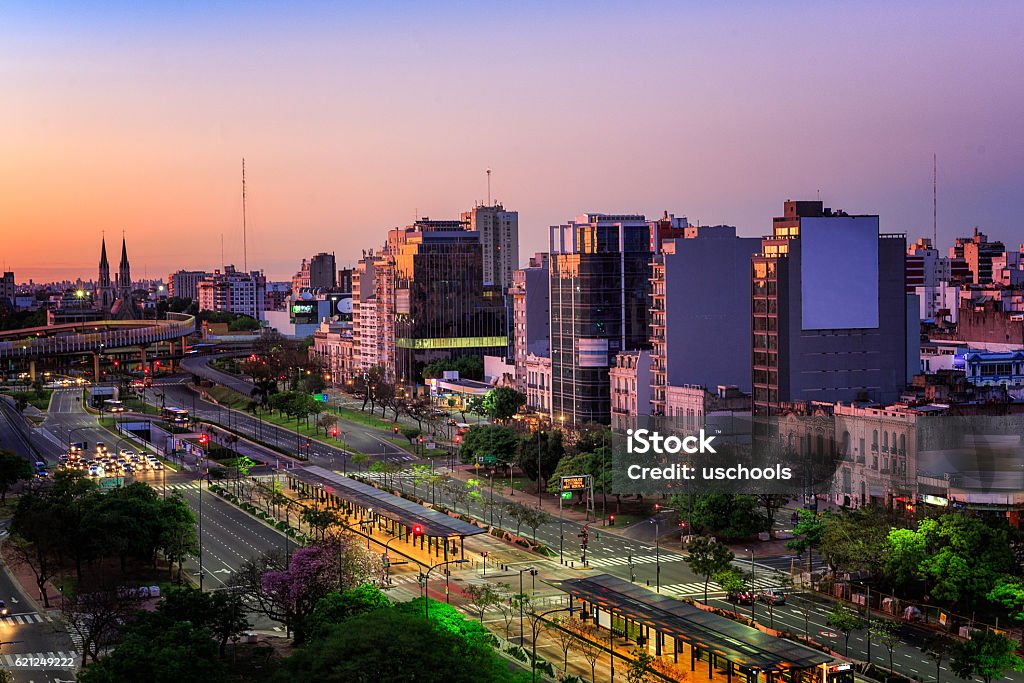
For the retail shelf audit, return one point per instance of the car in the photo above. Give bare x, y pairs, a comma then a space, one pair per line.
741, 597
101, 447
153, 462
3, 608
95, 471
126, 453
127, 469
772, 596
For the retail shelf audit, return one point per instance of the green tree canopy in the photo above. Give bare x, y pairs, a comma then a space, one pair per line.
501, 403
488, 440
987, 655
727, 515
13, 468
707, 558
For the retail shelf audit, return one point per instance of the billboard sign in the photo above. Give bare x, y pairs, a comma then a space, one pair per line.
576, 482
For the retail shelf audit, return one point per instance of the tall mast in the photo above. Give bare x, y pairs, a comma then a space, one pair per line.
245, 250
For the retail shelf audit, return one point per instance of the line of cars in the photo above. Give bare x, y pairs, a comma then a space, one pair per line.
771, 596
105, 463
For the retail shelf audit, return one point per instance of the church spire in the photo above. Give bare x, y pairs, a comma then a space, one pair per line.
124, 276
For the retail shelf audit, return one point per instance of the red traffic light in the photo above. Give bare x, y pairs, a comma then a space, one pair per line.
611, 520
657, 506
458, 438
420, 439
334, 432
417, 530
204, 439
395, 429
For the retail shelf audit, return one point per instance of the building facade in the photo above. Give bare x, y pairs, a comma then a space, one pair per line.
184, 284
978, 252
531, 324
7, 289
538, 383
498, 232
599, 299
234, 292
630, 378
333, 346
441, 309
830, 311
701, 333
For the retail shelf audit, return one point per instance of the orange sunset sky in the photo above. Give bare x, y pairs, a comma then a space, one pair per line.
353, 119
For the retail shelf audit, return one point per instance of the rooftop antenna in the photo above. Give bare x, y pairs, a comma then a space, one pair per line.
222, 269
245, 250
488, 187
935, 209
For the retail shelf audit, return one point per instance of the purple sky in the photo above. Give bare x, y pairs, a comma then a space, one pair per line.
354, 120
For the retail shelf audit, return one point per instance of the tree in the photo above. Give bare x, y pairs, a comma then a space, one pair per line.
938, 647
336, 607
538, 454
771, 503
243, 323
535, 518
392, 645
488, 440
884, 631
905, 551
727, 515
707, 558
807, 532
563, 635
172, 653
409, 432
481, 597
13, 468
587, 637
986, 655
501, 403
1008, 593
518, 513
730, 580
640, 667
846, 621
854, 541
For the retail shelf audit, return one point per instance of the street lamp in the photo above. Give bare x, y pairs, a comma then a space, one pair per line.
753, 598
521, 572
426, 584
656, 521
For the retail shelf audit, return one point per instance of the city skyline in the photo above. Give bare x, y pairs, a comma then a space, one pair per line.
353, 121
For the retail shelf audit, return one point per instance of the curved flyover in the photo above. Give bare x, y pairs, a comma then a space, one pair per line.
93, 337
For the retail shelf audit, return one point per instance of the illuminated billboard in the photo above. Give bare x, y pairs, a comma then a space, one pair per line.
839, 272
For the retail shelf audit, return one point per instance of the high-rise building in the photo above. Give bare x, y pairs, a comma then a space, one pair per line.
322, 272
700, 311
184, 284
978, 252
600, 285
441, 308
234, 292
365, 338
830, 310
7, 289
498, 231
531, 324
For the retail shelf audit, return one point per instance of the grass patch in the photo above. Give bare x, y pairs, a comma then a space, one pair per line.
229, 397
39, 399
362, 418
139, 406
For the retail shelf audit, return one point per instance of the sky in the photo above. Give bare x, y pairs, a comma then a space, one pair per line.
357, 117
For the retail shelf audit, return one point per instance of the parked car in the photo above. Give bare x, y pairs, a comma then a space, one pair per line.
741, 597
772, 596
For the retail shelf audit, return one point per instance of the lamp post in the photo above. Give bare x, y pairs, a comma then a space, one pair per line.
753, 598
521, 594
387, 565
426, 584
656, 521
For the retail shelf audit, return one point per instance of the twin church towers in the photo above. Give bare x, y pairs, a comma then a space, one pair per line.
116, 299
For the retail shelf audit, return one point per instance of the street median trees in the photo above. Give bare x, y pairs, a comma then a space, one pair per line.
708, 557
846, 621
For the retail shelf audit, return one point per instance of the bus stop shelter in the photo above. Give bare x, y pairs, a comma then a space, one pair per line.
441, 535
674, 629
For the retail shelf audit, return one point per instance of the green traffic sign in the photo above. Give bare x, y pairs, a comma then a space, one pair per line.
567, 495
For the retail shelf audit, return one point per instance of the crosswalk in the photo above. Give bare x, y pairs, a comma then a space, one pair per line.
624, 560
183, 486
24, 618
38, 661
697, 587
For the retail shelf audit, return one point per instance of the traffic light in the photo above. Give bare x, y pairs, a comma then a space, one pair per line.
533, 572
657, 507
420, 439
417, 530
611, 520
458, 438
204, 439
395, 429
334, 432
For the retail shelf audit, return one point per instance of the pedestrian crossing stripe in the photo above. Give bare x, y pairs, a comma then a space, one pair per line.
697, 587
637, 559
27, 618
22, 660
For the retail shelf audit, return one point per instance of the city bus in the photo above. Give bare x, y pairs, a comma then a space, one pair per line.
175, 415
112, 406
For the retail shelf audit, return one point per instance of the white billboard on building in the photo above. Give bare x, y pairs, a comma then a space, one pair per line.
839, 272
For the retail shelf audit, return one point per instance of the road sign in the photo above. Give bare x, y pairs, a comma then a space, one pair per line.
487, 460
567, 495
111, 482
574, 483
320, 397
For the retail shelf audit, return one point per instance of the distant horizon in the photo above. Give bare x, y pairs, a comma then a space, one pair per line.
354, 120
